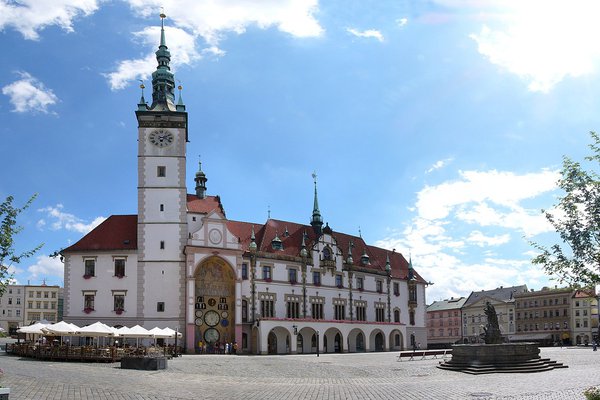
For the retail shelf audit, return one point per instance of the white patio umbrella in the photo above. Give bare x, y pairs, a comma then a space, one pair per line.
97, 329
171, 332
137, 332
35, 329
61, 329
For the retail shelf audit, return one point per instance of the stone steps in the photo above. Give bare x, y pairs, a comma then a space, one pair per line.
528, 366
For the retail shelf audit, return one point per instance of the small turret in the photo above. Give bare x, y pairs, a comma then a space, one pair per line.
200, 180
163, 81
317, 219
303, 251
252, 246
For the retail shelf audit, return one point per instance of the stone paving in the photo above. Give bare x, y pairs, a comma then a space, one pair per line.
331, 376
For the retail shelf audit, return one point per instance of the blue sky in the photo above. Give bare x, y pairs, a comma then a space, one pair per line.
437, 127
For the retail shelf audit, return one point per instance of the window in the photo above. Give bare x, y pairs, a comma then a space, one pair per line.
244, 311
53, 295
118, 302
361, 313
119, 267
396, 315
339, 311
162, 244
39, 294
38, 304
266, 308
30, 294
88, 302
161, 171
53, 305
90, 270
412, 293
160, 306
45, 305
9, 313
379, 286
576, 312
45, 295
359, 283
293, 276
339, 282
30, 304
17, 313
162, 207
585, 323
317, 311
411, 316
576, 303
293, 309
244, 271
19, 302
396, 289
266, 273
10, 300
441, 331
380, 314
584, 311
316, 278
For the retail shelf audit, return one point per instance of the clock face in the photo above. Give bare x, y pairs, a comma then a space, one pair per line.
198, 313
212, 318
161, 138
214, 236
198, 321
224, 314
211, 335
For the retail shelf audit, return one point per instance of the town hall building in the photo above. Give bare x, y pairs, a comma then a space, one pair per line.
275, 288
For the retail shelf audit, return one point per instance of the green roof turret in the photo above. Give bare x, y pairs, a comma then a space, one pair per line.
200, 180
163, 82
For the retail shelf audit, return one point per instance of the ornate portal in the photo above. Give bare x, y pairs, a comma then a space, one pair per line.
214, 304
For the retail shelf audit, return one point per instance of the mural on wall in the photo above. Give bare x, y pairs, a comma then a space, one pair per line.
214, 306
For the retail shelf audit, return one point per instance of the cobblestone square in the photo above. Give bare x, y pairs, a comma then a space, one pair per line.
331, 376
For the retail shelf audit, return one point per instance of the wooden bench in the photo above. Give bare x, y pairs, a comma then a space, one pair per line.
413, 355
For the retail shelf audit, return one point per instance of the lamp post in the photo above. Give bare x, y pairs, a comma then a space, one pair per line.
317, 343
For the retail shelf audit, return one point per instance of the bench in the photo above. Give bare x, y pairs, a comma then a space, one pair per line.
413, 355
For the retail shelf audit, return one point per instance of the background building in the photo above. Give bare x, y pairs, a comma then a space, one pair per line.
584, 312
474, 318
12, 308
444, 322
544, 316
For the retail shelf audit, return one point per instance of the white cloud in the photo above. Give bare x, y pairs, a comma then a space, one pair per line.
402, 21
542, 42
62, 220
45, 267
481, 240
31, 16
457, 258
181, 45
29, 94
189, 20
369, 33
439, 164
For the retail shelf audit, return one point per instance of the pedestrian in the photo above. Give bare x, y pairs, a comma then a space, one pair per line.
595, 346
226, 348
235, 347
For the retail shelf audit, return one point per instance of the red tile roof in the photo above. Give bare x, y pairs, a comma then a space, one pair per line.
205, 205
117, 232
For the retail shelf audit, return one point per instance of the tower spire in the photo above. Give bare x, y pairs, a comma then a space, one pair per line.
317, 219
163, 82
200, 181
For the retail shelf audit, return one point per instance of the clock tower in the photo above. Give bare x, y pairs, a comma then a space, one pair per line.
162, 197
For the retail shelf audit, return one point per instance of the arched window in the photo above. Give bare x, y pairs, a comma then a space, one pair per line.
411, 316
396, 315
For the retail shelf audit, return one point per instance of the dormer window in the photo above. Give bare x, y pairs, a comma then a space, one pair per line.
364, 259
276, 243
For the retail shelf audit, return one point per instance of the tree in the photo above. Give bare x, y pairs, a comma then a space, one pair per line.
576, 218
8, 230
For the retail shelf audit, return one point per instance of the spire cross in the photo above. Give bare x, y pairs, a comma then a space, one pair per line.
314, 175
269, 212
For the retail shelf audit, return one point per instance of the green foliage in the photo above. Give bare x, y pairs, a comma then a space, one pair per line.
8, 230
576, 219
592, 393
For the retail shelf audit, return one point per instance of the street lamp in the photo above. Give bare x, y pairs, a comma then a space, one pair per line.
295, 329
317, 343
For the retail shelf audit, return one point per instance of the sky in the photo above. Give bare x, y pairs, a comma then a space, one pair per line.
436, 128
